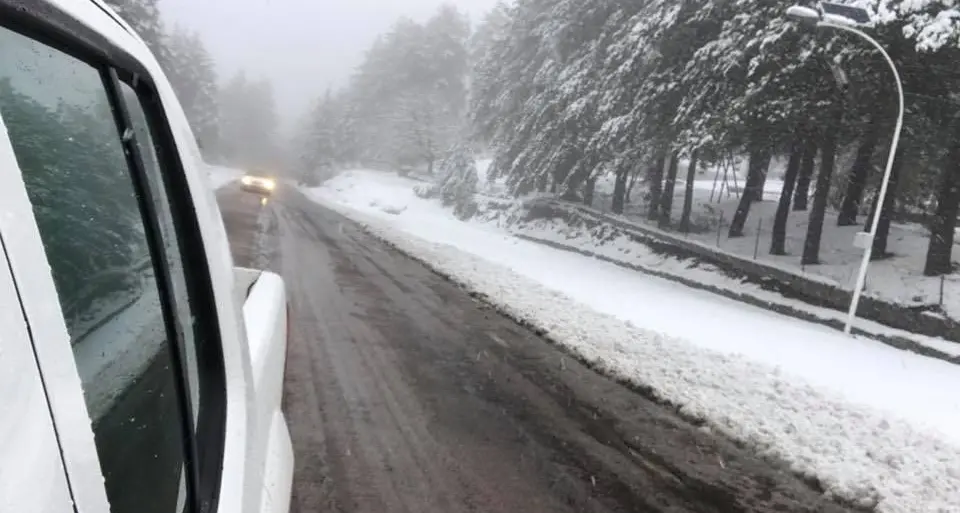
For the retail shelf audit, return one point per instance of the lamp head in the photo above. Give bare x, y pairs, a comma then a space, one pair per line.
804, 15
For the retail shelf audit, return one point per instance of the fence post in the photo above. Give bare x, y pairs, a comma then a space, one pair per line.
716, 178
719, 228
756, 245
943, 278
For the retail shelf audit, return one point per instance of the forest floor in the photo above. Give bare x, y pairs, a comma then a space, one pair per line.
897, 279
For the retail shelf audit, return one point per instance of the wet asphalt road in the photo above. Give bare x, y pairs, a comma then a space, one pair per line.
404, 394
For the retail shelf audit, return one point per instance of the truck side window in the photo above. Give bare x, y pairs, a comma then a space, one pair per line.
60, 120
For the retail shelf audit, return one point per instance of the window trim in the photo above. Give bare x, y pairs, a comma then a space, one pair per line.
161, 267
47, 24
50, 26
211, 421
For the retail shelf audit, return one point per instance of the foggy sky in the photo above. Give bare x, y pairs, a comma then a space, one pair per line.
303, 46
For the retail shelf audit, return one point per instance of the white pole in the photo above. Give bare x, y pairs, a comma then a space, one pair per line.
868, 251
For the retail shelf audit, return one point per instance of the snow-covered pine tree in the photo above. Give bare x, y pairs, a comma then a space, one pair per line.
408, 96
144, 17
249, 123
488, 47
721, 78
535, 94
318, 144
510, 80
324, 141
458, 187
931, 34
192, 73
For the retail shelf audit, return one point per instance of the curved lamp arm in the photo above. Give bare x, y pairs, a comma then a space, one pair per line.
868, 251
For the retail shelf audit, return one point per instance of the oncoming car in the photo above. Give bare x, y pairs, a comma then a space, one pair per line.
140, 371
258, 184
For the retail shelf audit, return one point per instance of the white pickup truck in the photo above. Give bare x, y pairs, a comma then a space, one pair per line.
140, 372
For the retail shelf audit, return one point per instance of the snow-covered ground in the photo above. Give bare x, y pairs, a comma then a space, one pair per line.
220, 175
624, 250
874, 424
898, 279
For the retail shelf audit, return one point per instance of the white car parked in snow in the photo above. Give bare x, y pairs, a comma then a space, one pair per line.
139, 370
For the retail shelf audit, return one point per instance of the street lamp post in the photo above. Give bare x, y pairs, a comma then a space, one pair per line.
848, 23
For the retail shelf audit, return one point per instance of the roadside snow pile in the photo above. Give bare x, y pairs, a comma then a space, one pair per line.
391, 208
377, 192
220, 176
876, 426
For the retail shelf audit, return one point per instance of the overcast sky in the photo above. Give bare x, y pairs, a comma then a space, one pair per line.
303, 46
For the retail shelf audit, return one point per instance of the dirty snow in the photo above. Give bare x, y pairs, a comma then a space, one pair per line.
872, 423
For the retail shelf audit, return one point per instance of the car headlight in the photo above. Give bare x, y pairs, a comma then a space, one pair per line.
247, 180
269, 185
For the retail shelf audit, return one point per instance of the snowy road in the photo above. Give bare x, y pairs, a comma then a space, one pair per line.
404, 394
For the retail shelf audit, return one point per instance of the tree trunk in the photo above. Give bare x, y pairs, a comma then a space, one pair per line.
688, 194
883, 228
811, 246
634, 178
541, 183
572, 177
857, 181
666, 200
567, 183
940, 251
620, 190
588, 191
655, 181
778, 241
758, 190
759, 163
802, 193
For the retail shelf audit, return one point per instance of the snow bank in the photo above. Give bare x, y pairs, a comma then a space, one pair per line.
876, 426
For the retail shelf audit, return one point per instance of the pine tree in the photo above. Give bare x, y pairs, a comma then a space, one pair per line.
325, 142
192, 74
778, 239
567, 91
459, 183
407, 100
187, 64
144, 17
488, 51
248, 123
